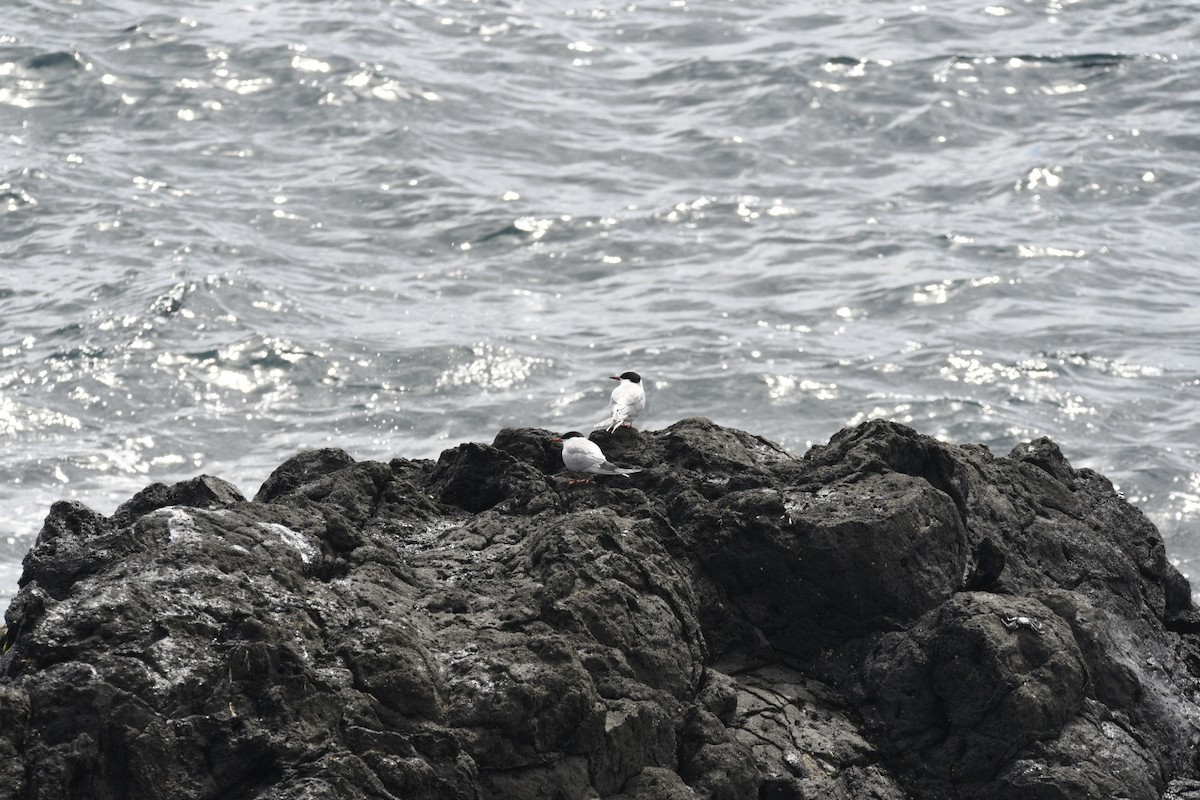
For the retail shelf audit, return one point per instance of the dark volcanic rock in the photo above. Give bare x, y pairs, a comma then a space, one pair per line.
888, 617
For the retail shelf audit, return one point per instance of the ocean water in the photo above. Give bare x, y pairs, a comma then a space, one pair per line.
233, 231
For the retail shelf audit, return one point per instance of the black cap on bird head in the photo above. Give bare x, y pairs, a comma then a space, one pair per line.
632, 377
567, 435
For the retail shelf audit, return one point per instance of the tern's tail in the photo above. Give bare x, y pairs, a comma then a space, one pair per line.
609, 423
613, 469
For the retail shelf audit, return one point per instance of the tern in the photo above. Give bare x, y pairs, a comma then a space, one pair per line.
582, 456
628, 401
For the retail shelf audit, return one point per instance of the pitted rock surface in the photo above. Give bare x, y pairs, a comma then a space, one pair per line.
888, 616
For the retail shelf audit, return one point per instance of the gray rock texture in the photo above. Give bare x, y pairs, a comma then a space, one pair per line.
887, 617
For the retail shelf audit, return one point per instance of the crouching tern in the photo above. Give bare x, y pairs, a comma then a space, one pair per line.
582, 456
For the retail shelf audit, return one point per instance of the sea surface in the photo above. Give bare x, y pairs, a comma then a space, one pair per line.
231, 231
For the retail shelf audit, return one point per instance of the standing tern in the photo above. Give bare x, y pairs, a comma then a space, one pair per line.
628, 401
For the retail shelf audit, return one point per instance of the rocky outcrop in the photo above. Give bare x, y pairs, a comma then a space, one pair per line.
887, 617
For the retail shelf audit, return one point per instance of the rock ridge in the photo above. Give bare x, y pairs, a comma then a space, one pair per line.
888, 616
